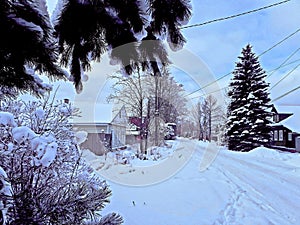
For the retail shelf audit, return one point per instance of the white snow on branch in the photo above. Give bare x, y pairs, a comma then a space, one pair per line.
40, 113
7, 119
45, 149
81, 136
22, 134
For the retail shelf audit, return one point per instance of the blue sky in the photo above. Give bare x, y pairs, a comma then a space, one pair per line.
218, 45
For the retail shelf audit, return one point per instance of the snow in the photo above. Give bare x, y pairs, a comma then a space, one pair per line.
259, 121
81, 136
40, 113
2, 173
45, 149
7, 119
39, 84
23, 133
6, 191
292, 122
259, 187
49, 154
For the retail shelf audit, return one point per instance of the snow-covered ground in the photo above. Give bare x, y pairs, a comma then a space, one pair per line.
197, 184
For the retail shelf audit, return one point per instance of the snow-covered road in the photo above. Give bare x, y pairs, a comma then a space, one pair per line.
260, 187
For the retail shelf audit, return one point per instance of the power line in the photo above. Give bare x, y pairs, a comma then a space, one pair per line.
269, 49
210, 92
233, 16
289, 73
285, 94
207, 85
283, 63
227, 86
278, 43
297, 60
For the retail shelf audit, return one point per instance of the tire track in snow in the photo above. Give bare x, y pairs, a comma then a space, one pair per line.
261, 198
269, 167
252, 191
271, 175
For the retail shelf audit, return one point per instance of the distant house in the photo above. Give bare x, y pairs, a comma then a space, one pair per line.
105, 127
285, 127
136, 129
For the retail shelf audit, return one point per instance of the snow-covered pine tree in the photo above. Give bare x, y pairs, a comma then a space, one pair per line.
248, 114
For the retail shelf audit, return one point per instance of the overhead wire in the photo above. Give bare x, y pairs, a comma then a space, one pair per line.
297, 60
280, 42
209, 93
234, 16
284, 77
207, 85
264, 52
283, 63
285, 94
269, 49
266, 72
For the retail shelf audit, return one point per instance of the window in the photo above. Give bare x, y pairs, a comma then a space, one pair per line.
276, 118
275, 135
290, 136
281, 135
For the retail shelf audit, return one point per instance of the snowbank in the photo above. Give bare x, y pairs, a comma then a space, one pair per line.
125, 168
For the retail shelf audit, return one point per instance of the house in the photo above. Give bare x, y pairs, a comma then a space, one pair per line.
105, 126
285, 127
136, 129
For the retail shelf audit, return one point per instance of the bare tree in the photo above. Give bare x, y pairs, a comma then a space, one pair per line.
171, 102
207, 114
132, 93
197, 116
154, 100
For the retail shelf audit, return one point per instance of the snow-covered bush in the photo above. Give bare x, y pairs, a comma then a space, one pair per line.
41, 167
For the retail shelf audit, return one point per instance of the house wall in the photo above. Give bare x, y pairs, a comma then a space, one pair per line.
98, 138
93, 142
92, 128
118, 136
114, 131
118, 129
286, 141
97, 143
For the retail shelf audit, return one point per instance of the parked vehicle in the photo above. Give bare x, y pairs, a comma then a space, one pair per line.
170, 131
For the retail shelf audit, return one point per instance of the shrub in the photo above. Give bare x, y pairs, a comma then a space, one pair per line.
48, 182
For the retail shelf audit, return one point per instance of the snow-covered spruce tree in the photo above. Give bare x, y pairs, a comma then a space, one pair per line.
248, 124
43, 179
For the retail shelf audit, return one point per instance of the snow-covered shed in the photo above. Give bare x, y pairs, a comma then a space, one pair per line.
105, 126
286, 125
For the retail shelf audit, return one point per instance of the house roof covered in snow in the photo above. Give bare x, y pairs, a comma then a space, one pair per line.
94, 113
292, 122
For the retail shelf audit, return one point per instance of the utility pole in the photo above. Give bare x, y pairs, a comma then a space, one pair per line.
156, 113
